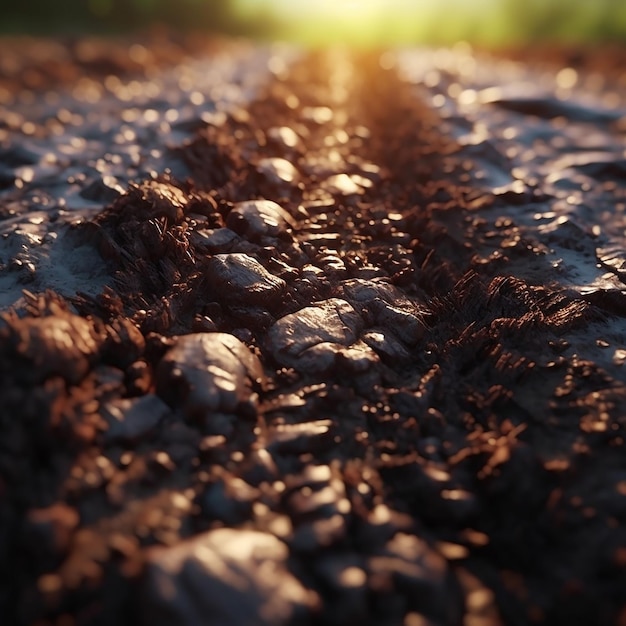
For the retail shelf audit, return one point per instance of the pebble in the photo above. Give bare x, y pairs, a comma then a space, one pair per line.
257, 219
284, 137
230, 577
240, 279
310, 339
342, 185
387, 347
388, 307
132, 419
104, 190
364, 292
229, 500
405, 324
214, 241
358, 358
210, 372
277, 171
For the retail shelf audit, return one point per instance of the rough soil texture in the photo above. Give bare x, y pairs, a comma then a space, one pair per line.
338, 341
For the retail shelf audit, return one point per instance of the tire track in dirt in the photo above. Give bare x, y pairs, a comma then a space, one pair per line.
301, 345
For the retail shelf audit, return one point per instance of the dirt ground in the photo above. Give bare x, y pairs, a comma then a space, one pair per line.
311, 337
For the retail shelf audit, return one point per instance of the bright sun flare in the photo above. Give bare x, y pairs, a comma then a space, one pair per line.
372, 21
343, 20
349, 9
338, 9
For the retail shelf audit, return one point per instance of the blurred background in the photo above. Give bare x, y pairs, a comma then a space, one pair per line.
367, 22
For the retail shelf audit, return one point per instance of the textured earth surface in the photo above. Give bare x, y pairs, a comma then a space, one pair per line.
322, 338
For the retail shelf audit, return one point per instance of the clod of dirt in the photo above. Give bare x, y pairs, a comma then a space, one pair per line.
153, 198
63, 345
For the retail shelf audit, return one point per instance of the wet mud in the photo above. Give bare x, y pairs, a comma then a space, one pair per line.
345, 345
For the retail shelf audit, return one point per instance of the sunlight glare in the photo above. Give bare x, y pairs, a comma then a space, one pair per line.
376, 22
342, 19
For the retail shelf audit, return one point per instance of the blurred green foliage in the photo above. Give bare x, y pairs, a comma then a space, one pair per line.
495, 22
568, 20
79, 16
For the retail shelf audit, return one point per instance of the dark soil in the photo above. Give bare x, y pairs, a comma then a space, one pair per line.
355, 356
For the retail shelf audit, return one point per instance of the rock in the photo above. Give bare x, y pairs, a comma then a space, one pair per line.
240, 279
224, 577
277, 171
363, 292
342, 185
256, 219
16, 155
388, 348
284, 137
105, 190
310, 339
214, 241
358, 358
132, 419
405, 324
388, 307
210, 372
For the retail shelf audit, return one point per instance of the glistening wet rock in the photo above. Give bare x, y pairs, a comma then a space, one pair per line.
284, 137
240, 279
388, 348
226, 577
388, 307
310, 339
256, 219
218, 240
210, 372
277, 171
